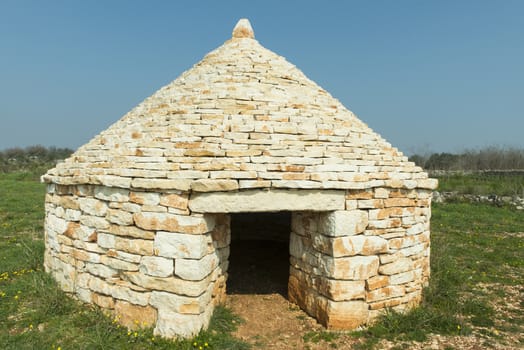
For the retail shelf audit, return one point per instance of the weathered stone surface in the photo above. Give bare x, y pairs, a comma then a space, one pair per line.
134, 246
148, 198
387, 292
195, 270
397, 266
343, 223
172, 325
339, 290
175, 200
275, 200
169, 284
119, 217
350, 245
351, 268
92, 206
180, 245
213, 185
111, 194
181, 304
135, 316
174, 223
156, 266
346, 314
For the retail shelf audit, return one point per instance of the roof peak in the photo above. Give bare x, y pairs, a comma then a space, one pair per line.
243, 29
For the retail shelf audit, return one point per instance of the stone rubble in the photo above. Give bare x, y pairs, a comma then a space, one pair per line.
138, 219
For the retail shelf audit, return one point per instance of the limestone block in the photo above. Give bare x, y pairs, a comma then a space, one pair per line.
376, 282
135, 316
82, 255
105, 240
64, 274
351, 268
343, 222
72, 215
304, 223
262, 200
403, 277
169, 284
137, 298
195, 270
111, 194
84, 295
101, 270
56, 224
131, 207
94, 221
181, 304
103, 301
132, 258
148, 198
100, 286
134, 246
156, 266
387, 292
398, 266
130, 231
339, 290
346, 314
180, 245
171, 324
175, 200
161, 184
350, 245
210, 185
118, 264
174, 222
119, 217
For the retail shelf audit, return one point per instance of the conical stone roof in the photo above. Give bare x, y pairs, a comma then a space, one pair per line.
243, 117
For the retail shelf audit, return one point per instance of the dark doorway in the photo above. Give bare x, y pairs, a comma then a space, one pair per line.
259, 255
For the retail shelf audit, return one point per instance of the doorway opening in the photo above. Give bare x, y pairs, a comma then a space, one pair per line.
259, 253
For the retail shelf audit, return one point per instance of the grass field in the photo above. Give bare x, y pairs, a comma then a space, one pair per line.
477, 277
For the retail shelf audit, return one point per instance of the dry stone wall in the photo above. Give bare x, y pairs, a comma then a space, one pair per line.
138, 253
148, 258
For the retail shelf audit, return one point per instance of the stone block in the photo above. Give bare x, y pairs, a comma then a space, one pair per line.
212, 185
135, 316
174, 325
169, 284
156, 266
351, 268
181, 304
119, 217
92, 206
398, 266
195, 270
175, 200
343, 222
111, 194
134, 246
340, 290
387, 292
148, 198
262, 200
346, 314
181, 245
174, 223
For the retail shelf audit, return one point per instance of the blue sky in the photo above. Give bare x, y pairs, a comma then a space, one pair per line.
429, 76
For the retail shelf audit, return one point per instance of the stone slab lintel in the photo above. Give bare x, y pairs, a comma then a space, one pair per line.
267, 200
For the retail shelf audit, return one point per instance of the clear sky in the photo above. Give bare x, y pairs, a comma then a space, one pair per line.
429, 76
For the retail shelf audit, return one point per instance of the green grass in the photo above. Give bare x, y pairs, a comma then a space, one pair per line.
483, 184
473, 245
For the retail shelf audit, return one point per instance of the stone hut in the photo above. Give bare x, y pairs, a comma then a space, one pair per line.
138, 219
